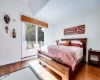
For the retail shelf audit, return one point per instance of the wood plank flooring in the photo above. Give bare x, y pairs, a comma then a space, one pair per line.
12, 67
87, 72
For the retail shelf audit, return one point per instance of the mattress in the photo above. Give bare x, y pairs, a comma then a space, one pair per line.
78, 51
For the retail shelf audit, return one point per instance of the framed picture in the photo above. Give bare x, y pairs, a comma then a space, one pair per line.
75, 30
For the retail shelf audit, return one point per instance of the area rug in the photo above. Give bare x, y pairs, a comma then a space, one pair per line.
41, 72
23, 74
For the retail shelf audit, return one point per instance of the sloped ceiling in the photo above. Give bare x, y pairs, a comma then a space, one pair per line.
56, 11
36, 5
25, 1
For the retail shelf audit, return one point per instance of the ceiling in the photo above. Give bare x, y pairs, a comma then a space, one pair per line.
35, 5
25, 1
56, 11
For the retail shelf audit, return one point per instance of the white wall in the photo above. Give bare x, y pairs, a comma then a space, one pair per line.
10, 48
90, 17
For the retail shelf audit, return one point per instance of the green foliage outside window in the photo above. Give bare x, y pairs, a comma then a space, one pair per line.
31, 33
40, 34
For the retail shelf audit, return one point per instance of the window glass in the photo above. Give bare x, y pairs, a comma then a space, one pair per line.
30, 35
40, 37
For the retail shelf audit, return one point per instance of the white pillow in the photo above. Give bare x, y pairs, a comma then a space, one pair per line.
62, 41
77, 42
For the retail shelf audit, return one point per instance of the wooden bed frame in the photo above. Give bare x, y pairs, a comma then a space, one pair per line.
63, 70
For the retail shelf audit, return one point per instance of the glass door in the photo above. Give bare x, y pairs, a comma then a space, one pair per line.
30, 34
32, 39
29, 41
40, 36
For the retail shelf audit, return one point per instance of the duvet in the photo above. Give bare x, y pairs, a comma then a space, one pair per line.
62, 53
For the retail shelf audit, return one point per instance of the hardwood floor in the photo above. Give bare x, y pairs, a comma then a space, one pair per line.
87, 72
12, 67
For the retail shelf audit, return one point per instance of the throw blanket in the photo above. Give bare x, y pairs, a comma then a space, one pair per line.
64, 54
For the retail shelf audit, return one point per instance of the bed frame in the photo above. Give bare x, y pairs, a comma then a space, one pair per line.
63, 70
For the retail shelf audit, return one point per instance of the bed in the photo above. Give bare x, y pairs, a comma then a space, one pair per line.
62, 69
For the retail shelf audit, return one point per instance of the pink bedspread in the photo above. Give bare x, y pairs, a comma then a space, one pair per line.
64, 54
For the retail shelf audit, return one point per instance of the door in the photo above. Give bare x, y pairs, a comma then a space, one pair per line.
29, 40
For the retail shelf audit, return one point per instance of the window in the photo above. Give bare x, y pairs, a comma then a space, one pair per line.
34, 35
30, 35
40, 37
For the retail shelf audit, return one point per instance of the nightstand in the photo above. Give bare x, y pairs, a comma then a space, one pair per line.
96, 53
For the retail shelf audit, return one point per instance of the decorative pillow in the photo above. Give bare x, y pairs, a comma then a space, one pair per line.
68, 43
77, 45
76, 42
64, 43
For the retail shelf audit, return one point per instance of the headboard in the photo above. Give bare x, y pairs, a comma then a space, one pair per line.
83, 40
